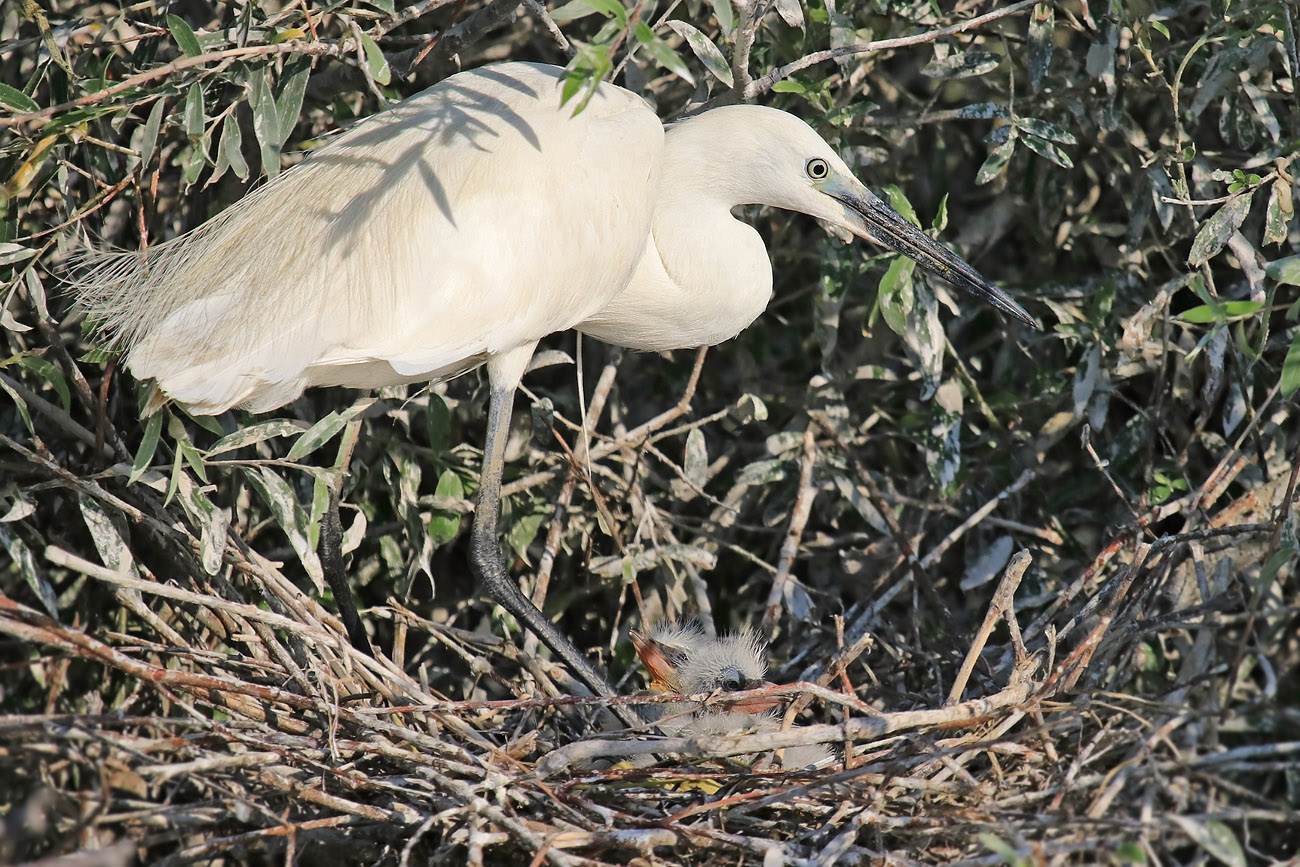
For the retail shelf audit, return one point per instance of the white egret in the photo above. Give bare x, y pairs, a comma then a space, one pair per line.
463, 225
681, 658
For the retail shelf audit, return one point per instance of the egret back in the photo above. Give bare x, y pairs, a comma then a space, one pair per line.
465, 222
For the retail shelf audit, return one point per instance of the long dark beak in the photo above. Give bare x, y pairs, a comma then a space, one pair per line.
889, 229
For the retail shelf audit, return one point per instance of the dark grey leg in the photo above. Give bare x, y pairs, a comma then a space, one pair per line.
490, 568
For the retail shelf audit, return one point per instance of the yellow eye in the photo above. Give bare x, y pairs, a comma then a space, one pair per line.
817, 169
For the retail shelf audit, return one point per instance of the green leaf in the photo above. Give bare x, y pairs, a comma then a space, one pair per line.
21, 406
726, 18
1281, 208
184, 36
997, 161
376, 62
444, 525
1045, 148
266, 122
967, 64
666, 57
438, 422
1220, 312
148, 445
1218, 229
982, 111
704, 50
1291, 368
896, 294
21, 556
49, 372
230, 154
696, 458
1215, 838
152, 125
279, 498
1042, 24
11, 253
898, 201
1285, 271
254, 434
941, 216
1046, 130
572, 11
293, 86
17, 101
324, 430
194, 118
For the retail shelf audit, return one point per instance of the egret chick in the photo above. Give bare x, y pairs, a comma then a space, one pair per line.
681, 658
463, 225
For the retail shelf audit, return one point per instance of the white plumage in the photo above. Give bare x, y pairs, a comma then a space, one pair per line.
463, 225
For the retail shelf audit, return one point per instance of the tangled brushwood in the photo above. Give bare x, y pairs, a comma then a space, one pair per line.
1026, 597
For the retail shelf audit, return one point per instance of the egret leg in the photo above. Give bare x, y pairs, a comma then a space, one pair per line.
485, 549
331, 561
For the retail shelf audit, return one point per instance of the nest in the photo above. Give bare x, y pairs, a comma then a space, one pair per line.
233, 722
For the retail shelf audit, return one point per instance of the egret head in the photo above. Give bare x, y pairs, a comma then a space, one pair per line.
776, 159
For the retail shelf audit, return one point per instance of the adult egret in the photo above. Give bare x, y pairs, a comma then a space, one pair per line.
460, 227
681, 658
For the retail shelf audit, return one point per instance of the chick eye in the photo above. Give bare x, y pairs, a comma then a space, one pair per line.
817, 169
731, 684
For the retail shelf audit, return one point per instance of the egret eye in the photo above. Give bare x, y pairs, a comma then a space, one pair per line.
731, 684
817, 169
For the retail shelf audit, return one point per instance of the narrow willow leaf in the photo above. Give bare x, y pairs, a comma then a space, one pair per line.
1285, 271
49, 372
997, 161
791, 13
1218, 229
376, 62
966, 64
152, 125
445, 524
254, 434
293, 86
704, 50
1291, 368
1281, 209
726, 17
325, 430
21, 556
1223, 312
896, 294
17, 101
1045, 148
194, 118
279, 498
1046, 130
184, 36
108, 532
667, 58
438, 424
696, 458
230, 153
1042, 23
148, 445
266, 122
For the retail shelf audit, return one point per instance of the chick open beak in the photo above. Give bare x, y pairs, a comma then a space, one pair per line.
883, 225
